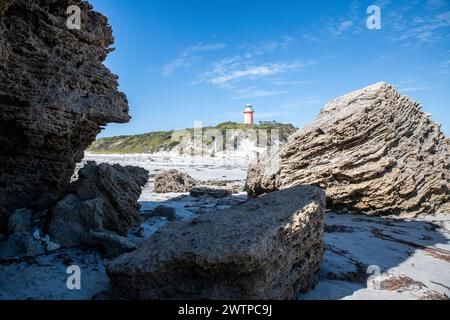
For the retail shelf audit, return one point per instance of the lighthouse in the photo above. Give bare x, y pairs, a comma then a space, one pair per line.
248, 114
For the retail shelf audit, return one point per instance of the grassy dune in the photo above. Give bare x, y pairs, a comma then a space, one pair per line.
162, 140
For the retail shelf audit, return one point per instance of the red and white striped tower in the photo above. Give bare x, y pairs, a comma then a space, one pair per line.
248, 114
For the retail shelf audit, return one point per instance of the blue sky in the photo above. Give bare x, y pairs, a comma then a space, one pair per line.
185, 61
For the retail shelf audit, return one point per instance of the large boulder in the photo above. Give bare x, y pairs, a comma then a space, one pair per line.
173, 181
267, 248
104, 198
55, 95
372, 150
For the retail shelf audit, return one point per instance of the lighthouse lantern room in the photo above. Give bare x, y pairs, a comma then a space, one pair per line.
248, 114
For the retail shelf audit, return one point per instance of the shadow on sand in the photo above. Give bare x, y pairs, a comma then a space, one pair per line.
405, 249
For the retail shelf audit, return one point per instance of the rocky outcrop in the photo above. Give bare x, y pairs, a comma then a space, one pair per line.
104, 198
267, 248
55, 95
180, 182
173, 181
372, 150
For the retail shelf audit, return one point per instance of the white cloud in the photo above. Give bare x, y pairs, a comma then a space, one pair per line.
435, 4
331, 28
231, 72
415, 23
268, 46
340, 28
247, 64
282, 82
253, 92
235, 69
379, 59
234, 72
255, 72
417, 30
188, 56
312, 38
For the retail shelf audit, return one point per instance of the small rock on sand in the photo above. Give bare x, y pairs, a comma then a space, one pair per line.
173, 181
163, 211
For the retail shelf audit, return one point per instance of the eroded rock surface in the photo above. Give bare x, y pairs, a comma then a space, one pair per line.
267, 248
55, 95
173, 181
104, 198
372, 150
180, 182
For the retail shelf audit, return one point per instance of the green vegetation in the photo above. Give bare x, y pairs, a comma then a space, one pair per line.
161, 140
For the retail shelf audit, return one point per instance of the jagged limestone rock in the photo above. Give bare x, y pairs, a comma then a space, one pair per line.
104, 198
180, 182
267, 248
55, 95
372, 151
173, 181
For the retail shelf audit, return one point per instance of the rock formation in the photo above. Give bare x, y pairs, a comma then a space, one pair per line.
173, 181
372, 150
267, 248
180, 182
55, 95
104, 198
